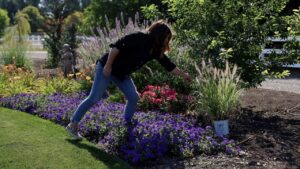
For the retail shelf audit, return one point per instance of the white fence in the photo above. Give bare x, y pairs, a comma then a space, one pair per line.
267, 50
36, 41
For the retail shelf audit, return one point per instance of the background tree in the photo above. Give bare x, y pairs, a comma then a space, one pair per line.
76, 18
73, 5
94, 14
34, 3
14, 47
71, 28
12, 7
151, 12
84, 4
35, 17
233, 30
22, 25
4, 21
55, 12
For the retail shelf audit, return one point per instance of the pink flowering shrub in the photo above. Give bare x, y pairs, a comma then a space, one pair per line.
158, 98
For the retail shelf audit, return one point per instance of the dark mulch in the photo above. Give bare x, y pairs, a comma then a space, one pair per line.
267, 130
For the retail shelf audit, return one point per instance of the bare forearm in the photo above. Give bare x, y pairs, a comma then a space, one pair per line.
182, 74
177, 72
112, 56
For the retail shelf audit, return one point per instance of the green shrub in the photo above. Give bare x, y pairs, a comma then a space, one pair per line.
15, 54
58, 84
208, 26
4, 21
15, 80
217, 91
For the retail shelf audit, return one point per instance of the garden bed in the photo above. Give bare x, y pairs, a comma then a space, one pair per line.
268, 132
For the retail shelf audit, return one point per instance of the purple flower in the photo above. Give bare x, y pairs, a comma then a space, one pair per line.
154, 134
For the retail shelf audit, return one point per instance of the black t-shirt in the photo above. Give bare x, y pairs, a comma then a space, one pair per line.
134, 52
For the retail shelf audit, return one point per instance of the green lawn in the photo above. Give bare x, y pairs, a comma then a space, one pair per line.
27, 141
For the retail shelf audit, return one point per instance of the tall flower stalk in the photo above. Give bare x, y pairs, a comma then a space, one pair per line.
95, 46
218, 90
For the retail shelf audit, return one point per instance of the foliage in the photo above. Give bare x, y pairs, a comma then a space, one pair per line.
15, 80
157, 98
4, 21
209, 26
22, 25
55, 13
153, 136
154, 73
217, 91
12, 51
75, 18
116, 96
69, 37
57, 84
12, 7
85, 77
95, 13
292, 46
151, 12
34, 16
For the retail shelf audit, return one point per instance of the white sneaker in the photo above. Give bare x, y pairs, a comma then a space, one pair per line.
73, 133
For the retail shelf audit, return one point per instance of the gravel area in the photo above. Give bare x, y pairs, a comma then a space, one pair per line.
289, 84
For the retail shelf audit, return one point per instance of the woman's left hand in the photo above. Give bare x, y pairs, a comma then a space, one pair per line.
187, 78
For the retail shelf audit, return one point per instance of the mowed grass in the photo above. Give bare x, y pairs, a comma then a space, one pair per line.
28, 141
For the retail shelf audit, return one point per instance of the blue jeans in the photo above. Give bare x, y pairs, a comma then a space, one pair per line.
100, 84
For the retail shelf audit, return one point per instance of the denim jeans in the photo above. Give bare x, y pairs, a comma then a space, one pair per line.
100, 84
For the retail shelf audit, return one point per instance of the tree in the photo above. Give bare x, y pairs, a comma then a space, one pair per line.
76, 19
70, 27
35, 17
94, 14
55, 12
84, 4
233, 30
34, 3
4, 21
73, 5
22, 25
12, 7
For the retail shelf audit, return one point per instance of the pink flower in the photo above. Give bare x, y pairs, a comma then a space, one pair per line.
149, 93
170, 93
157, 101
171, 98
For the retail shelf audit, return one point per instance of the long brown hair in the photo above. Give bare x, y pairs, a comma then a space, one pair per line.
159, 30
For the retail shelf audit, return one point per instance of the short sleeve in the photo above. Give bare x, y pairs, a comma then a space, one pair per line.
166, 63
128, 41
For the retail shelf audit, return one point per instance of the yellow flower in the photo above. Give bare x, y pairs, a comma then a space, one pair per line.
17, 78
88, 78
77, 74
70, 75
19, 70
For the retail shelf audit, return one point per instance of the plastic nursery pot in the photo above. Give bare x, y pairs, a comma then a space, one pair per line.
221, 127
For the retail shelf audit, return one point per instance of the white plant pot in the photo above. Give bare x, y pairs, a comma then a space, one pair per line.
221, 127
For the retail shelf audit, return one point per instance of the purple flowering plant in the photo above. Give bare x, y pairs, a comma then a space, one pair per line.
153, 135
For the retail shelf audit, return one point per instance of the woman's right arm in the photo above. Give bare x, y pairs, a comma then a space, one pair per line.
111, 57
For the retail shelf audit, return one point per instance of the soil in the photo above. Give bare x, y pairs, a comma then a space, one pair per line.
267, 129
